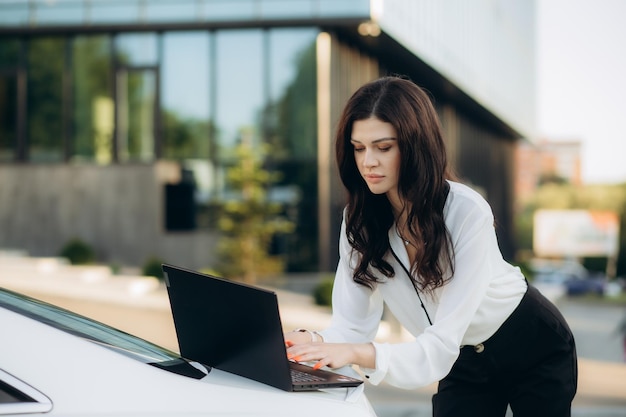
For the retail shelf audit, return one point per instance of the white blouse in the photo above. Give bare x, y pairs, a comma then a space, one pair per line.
467, 310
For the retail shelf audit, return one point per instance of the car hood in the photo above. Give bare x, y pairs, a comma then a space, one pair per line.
82, 378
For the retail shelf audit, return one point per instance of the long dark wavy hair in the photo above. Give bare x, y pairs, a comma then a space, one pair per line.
422, 182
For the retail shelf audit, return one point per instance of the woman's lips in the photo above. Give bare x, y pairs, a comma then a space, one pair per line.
374, 178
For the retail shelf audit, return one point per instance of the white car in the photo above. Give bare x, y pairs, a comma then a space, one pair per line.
58, 363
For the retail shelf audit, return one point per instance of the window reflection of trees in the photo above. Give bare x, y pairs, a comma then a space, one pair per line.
9, 52
45, 129
93, 103
292, 132
287, 121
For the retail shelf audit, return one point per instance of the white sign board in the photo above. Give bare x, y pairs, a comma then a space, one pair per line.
575, 233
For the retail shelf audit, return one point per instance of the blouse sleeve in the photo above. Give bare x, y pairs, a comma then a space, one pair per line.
357, 310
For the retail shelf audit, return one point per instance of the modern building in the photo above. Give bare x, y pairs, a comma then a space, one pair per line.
546, 160
118, 118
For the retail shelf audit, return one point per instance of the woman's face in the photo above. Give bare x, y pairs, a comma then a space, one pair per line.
377, 154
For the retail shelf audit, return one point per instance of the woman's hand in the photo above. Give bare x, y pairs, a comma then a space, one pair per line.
333, 355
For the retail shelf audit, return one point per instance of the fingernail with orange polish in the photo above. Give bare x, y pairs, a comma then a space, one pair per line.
317, 366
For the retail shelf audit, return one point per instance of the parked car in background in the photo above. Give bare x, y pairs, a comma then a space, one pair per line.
555, 278
567, 277
590, 284
57, 363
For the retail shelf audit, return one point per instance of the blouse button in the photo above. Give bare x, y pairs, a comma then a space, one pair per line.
479, 348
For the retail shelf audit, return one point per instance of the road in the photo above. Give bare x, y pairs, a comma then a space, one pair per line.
595, 327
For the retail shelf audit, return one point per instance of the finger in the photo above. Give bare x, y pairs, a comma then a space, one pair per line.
297, 358
301, 356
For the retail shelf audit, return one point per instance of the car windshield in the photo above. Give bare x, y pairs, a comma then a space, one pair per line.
94, 331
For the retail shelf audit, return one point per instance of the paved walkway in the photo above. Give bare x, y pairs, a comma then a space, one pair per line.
139, 305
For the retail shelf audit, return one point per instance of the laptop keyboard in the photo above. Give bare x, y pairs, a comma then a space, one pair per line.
299, 376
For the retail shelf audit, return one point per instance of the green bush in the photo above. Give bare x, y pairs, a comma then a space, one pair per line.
152, 268
115, 268
322, 293
78, 252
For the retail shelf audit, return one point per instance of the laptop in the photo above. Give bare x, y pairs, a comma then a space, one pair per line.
236, 328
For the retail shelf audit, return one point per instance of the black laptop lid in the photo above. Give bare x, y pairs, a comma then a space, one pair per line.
228, 325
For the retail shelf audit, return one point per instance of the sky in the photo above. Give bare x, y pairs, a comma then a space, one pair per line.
581, 82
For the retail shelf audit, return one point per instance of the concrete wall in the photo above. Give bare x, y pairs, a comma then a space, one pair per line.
118, 210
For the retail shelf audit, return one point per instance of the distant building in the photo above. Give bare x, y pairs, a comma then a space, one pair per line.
546, 161
118, 119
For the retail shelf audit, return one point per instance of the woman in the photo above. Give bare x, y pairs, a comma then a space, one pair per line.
425, 246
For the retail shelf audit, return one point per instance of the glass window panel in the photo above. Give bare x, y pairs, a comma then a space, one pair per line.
238, 63
136, 92
255, 9
186, 116
45, 87
229, 10
13, 13
287, 8
9, 53
8, 108
9, 59
185, 95
137, 49
125, 11
292, 130
168, 11
330, 8
140, 11
240, 100
293, 119
93, 101
57, 11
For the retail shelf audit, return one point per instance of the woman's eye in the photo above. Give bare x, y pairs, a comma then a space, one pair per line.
358, 149
385, 149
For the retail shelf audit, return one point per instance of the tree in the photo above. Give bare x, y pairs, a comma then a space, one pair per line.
249, 220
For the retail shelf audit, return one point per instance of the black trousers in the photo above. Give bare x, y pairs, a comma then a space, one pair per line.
529, 363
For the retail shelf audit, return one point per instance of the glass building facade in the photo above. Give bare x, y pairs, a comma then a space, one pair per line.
118, 119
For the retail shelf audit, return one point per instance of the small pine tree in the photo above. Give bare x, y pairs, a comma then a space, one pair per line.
249, 221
